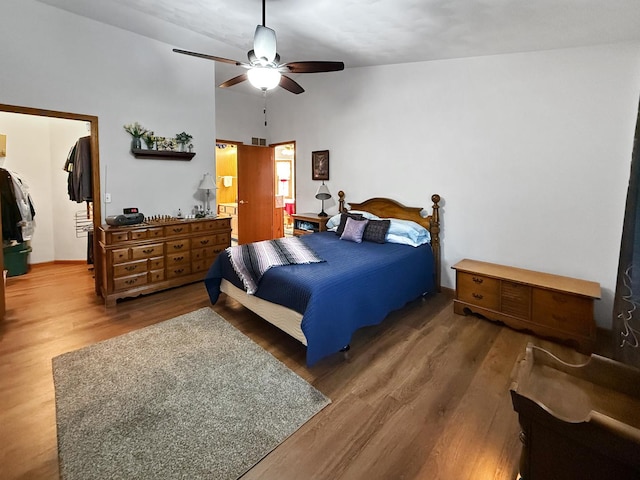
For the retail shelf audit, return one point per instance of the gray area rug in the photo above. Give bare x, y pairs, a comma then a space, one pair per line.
189, 398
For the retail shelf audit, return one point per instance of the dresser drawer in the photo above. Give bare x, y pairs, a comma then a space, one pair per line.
129, 268
138, 234
178, 270
224, 238
156, 263
478, 290
147, 251
200, 242
560, 311
212, 252
132, 281
156, 275
120, 255
178, 245
173, 230
178, 258
199, 266
515, 299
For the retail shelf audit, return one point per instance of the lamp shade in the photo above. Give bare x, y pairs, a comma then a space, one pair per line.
264, 78
323, 193
207, 182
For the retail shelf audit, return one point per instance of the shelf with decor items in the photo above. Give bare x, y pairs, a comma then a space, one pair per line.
305, 223
552, 306
149, 257
162, 154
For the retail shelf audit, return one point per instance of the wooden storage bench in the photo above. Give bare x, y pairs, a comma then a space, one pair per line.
549, 305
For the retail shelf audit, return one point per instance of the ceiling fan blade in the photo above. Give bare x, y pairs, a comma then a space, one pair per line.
234, 81
264, 43
290, 85
208, 57
314, 67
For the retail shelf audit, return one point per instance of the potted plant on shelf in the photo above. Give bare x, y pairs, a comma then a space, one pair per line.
136, 131
149, 139
183, 139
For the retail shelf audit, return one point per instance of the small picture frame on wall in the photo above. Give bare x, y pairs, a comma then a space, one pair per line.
320, 165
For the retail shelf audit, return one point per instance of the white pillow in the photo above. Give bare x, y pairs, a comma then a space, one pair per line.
409, 229
404, 240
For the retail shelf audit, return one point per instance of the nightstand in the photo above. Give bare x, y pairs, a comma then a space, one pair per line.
304, 223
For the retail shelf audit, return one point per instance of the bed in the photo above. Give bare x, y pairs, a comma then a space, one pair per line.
355, 285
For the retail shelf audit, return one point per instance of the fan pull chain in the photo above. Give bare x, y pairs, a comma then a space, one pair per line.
264, 111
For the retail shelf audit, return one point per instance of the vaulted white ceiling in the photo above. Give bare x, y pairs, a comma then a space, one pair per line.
377, 32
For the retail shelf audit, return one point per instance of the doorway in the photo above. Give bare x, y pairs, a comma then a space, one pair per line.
285, 155
228, 181
89, 126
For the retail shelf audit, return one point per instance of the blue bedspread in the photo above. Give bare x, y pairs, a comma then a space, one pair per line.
358, 285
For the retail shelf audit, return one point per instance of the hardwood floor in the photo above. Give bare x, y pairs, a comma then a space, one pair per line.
424, 395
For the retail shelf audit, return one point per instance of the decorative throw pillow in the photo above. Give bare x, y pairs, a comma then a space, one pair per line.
354, 229
343, 221
376, 231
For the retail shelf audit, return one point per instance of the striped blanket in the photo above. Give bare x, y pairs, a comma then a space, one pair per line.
250, 261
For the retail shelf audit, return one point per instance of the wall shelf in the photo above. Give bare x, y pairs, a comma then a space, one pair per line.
162, 154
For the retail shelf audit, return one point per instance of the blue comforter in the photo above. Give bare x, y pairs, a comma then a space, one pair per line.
358, 285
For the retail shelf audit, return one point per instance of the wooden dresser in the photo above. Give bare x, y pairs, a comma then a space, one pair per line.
551, 306
149, 257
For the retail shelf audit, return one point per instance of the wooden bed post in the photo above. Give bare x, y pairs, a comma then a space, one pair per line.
435, 237
341, 202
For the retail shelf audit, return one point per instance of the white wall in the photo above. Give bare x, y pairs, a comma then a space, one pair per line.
243, 116
37, 148
59, 61
530, 152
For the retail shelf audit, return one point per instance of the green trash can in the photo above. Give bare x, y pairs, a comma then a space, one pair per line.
15, 259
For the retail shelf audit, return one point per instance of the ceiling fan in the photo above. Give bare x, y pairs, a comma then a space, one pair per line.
264, 68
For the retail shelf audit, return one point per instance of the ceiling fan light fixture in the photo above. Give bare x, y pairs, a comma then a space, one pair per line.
264, 78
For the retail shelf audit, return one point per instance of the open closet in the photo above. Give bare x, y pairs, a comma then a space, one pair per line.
40, 146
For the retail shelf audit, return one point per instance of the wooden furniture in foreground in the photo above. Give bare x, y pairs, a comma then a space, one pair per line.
578, 421
552, 306
305, 223
149, 257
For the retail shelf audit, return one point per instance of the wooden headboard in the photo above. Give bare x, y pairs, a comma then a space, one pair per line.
387, 208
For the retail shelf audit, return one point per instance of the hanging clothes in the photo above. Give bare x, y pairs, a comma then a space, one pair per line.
17, 208
78, 166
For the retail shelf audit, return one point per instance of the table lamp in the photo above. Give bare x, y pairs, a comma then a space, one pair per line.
207, 184
323, 194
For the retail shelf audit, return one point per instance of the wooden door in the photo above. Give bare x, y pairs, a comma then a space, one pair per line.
256, 196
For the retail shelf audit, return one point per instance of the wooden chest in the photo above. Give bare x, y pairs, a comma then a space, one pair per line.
552, 306
146, 258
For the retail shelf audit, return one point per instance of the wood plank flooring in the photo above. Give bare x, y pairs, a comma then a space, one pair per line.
424, 395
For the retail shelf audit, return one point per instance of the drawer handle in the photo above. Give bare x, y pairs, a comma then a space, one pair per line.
179, 258
148, 250
217, 250
177, 230
479, 296
204, 242
131, 282
131, 268
178, 247
478, 280
180, 270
